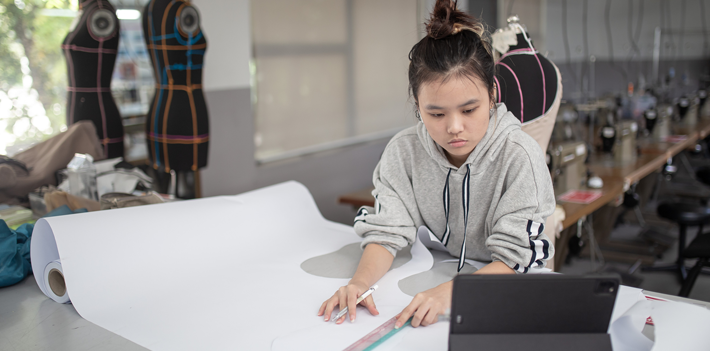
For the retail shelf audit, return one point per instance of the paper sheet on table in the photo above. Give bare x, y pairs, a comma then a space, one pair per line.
327, 336
206, 274
626, 297
677, 325
626, 330
388, 294
680, 326
434, 337
430, 240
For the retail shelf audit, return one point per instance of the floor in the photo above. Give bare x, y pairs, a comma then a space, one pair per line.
663, 282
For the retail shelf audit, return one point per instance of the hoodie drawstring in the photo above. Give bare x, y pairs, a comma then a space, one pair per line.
447, 201
465, 200
465, 193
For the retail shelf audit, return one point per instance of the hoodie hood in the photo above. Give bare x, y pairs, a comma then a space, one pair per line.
500, 126
491, 209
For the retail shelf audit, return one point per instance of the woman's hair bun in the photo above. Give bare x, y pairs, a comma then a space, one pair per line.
447, 20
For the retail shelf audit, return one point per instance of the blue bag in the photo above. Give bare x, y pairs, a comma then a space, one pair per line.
15, 262
14, 253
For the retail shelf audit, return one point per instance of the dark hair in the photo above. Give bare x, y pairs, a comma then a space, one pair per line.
456, 45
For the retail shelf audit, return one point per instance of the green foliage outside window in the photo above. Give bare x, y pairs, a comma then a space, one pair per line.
33, 76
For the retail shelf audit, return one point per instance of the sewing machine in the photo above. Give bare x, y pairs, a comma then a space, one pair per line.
663, 122
625, 145
689, 109
566, 128
568, 168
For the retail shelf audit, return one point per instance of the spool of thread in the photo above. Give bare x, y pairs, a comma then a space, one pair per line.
54, 281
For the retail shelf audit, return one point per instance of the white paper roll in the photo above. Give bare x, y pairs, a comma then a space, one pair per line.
54, 282
204, 274
43, 251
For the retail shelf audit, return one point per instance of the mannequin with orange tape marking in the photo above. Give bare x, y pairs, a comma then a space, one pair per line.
177, 126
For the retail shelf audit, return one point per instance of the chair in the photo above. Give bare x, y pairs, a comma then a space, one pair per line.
703, 175
700, 249
685, 214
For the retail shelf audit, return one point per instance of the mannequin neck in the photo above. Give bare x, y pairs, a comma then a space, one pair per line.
522, 43
85, 3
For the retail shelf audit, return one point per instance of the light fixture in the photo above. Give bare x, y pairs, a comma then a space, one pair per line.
128, 14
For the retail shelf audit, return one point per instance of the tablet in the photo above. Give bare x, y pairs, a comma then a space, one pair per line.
501, 312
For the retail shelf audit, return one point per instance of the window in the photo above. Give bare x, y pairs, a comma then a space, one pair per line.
132, 84
32, 71
33, 76
330, 72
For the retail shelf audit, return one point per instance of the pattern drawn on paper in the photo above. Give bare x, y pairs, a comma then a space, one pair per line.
343, 262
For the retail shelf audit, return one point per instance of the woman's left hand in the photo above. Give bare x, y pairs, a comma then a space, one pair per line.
426, 306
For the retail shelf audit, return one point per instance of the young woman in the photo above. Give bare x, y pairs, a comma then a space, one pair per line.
466, 171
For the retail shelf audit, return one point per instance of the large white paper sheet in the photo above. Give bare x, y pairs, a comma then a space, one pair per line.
224, 273
626, 297
209, 274
327, 336
430, 240
433, 337
627, 329
680, 326
388, 294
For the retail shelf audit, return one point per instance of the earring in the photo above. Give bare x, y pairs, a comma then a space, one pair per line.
416, 113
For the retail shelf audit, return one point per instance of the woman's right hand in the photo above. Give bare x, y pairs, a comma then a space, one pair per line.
347, 296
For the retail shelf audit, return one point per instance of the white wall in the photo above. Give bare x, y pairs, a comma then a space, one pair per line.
232, 168
548, 13
227, 29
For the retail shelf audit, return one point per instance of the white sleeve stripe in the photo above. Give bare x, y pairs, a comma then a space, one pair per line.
520, 269
541, 249
534, 252
534, 227
361, 215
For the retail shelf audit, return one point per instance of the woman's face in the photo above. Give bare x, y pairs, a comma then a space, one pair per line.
456, 114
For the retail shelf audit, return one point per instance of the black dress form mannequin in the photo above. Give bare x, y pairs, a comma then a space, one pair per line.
177, 123
531, 88
90, 50
527, 83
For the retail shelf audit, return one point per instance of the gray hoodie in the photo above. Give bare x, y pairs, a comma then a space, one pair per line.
504, 185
